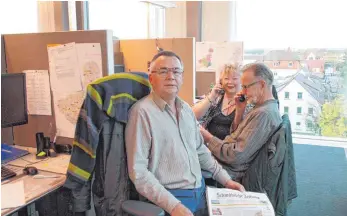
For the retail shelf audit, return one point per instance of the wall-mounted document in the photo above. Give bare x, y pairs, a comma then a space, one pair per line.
89, 62
205, 56
211, 56
63, 68
38, 92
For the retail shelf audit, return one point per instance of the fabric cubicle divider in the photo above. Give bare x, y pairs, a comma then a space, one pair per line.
29, 52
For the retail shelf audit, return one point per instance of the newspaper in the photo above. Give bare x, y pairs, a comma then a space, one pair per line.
223, 201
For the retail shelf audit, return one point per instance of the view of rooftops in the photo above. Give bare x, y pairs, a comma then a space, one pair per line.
306, 49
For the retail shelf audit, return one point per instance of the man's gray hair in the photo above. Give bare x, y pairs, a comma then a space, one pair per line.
165, 53
260, 70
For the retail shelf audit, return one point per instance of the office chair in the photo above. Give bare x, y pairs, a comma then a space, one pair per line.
113, 192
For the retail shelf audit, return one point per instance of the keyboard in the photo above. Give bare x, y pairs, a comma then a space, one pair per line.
6, 173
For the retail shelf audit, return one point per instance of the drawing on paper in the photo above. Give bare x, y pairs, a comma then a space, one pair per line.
236, 55
68, 100
91, 72
70, 106
206, 61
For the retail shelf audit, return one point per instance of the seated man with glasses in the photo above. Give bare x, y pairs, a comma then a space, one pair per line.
238, 149
165, 149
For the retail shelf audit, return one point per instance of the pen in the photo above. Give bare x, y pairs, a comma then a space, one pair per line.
45, 176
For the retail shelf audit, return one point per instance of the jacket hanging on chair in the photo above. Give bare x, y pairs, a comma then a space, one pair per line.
98, 147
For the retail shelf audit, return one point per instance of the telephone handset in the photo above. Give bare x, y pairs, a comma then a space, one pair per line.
242, 98
221, 92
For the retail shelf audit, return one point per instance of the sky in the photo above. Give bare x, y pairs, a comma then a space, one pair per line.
296, 24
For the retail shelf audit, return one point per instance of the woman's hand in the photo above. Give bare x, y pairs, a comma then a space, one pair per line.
215, 92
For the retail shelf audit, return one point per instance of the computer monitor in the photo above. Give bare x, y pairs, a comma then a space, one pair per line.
13, 100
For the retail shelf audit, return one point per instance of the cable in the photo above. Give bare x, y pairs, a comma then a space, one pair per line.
33, 162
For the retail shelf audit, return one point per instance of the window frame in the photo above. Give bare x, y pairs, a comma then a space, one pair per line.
297, 110
300, 98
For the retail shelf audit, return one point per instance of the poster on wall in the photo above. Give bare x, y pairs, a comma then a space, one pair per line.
227, 53
211, 56
205, 56
81, 61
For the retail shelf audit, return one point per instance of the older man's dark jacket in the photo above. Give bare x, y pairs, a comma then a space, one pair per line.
273, 170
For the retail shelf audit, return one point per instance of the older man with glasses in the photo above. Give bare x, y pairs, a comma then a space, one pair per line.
239, 148
165, 149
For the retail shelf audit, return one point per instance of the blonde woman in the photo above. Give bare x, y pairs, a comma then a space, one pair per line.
217, 112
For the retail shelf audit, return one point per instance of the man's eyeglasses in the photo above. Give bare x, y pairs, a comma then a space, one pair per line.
163, 72
249, 85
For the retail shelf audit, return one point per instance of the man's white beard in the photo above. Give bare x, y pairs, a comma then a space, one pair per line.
253, 100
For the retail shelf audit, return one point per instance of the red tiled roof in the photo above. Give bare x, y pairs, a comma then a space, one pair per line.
315, 64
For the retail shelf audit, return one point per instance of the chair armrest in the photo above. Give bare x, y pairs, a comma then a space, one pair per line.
206, 174
139, 208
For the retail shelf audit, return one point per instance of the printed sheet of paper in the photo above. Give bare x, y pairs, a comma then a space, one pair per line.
67, 104
63, 68
12, 195
38, 92
227, 53
223, 201
205, 55
211, 56
66, 110
89, 62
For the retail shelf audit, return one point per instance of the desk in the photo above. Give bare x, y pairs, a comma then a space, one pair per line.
37, 188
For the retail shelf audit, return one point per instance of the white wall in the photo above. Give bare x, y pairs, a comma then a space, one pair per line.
307, 101
218, 21
176, 21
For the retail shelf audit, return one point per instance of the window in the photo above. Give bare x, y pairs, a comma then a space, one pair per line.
310, 111
156, 21
290, 64
27, 22
286, 109
298, 110
276, 64
309, 125
299, 95
127, 19
313, 134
